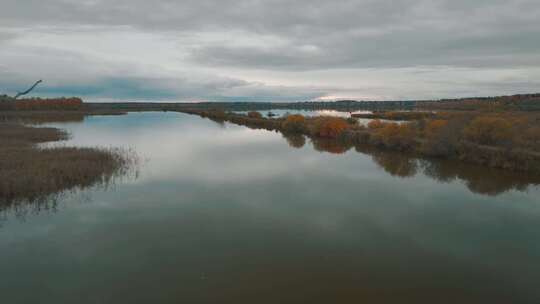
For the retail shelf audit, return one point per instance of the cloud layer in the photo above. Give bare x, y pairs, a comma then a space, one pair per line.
272, 49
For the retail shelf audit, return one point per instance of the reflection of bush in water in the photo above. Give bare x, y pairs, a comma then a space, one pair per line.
295, 140
478, 179
330, 145
396, 164
481, 180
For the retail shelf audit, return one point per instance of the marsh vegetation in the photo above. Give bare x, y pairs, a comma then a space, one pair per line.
31, 173
508, 140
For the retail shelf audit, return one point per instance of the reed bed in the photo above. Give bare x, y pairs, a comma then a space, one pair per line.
29, 173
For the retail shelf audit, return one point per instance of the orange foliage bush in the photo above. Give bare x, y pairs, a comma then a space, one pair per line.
254, 114
396, 135
433, 127
488, 130
330, 127
294, 123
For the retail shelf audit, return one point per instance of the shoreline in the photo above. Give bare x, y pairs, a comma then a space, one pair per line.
514, 159
422, 134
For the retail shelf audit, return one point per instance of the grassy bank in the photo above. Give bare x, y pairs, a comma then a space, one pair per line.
41, 117
29, 173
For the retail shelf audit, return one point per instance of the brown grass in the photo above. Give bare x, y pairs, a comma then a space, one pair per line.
41, 117
29, 173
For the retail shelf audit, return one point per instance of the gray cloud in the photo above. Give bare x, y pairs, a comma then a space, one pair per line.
382, 51
75, 74
4, 36
225, 49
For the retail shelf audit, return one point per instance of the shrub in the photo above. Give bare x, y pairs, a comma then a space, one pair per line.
294, 124
376, 124
329, 127
393, 135
529, 138
488, 130
218, 114
441, 137
254, 114
433, 127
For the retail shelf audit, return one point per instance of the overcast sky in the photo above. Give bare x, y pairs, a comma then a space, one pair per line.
270, 50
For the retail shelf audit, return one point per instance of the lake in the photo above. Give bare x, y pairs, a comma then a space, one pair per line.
219, 213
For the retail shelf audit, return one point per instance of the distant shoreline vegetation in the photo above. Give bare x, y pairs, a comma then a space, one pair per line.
521, 102
35, 104
507, 140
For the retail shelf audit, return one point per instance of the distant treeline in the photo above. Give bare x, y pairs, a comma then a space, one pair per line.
523, 102
344, 105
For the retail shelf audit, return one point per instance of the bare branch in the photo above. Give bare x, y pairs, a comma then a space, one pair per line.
29, 90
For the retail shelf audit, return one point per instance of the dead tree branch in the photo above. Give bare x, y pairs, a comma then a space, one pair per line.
29, 90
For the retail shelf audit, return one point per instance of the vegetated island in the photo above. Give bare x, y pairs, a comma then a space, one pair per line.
500, 132
33, 174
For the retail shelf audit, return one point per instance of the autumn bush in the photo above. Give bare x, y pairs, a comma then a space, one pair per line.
329, 127
375, 124
393, 135
441, 137
294, 124
487, 130
434, 127
254, 114
217, 115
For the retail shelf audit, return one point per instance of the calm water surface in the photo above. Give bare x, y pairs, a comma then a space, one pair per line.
282, 112
224, 214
